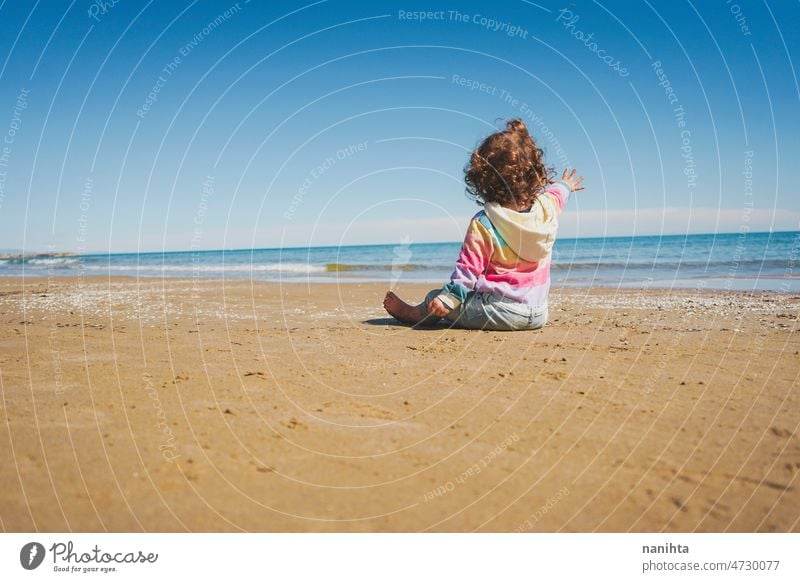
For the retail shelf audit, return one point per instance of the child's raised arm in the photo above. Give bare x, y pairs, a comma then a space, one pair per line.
561, 190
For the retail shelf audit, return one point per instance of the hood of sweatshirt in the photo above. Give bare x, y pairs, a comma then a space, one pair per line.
529, 234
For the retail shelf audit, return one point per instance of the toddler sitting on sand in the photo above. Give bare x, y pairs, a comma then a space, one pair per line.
502, 275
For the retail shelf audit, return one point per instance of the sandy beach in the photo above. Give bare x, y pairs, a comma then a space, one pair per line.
182, 405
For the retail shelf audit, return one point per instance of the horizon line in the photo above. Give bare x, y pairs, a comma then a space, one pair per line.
287, 248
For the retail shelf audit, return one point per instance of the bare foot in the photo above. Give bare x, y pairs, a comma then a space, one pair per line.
401, 310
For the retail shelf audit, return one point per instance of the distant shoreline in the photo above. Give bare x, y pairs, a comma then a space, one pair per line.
368, 245
37, 255
749, 262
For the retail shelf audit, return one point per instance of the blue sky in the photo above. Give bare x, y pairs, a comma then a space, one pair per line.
197, 125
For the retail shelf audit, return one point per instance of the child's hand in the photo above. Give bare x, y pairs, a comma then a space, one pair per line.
571, 181
437, 308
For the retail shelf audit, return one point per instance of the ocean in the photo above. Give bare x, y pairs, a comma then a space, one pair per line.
747, 261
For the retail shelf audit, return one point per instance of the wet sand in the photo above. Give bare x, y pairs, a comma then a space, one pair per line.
169, 405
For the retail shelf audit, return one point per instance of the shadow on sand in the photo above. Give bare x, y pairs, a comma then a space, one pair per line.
391, 321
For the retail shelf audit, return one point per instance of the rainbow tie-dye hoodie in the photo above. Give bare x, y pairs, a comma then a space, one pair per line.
508, 253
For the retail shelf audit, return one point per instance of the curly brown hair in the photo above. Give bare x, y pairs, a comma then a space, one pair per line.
507, 168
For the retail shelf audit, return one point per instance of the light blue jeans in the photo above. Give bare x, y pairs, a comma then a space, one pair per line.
493, 313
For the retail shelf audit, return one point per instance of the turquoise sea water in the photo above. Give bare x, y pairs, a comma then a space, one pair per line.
752, 261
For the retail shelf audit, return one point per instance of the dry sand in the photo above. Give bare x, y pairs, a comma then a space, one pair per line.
222, 406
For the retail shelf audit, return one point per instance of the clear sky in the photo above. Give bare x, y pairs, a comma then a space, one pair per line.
198, 125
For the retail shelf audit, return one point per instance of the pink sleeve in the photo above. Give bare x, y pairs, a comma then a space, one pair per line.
560, 193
